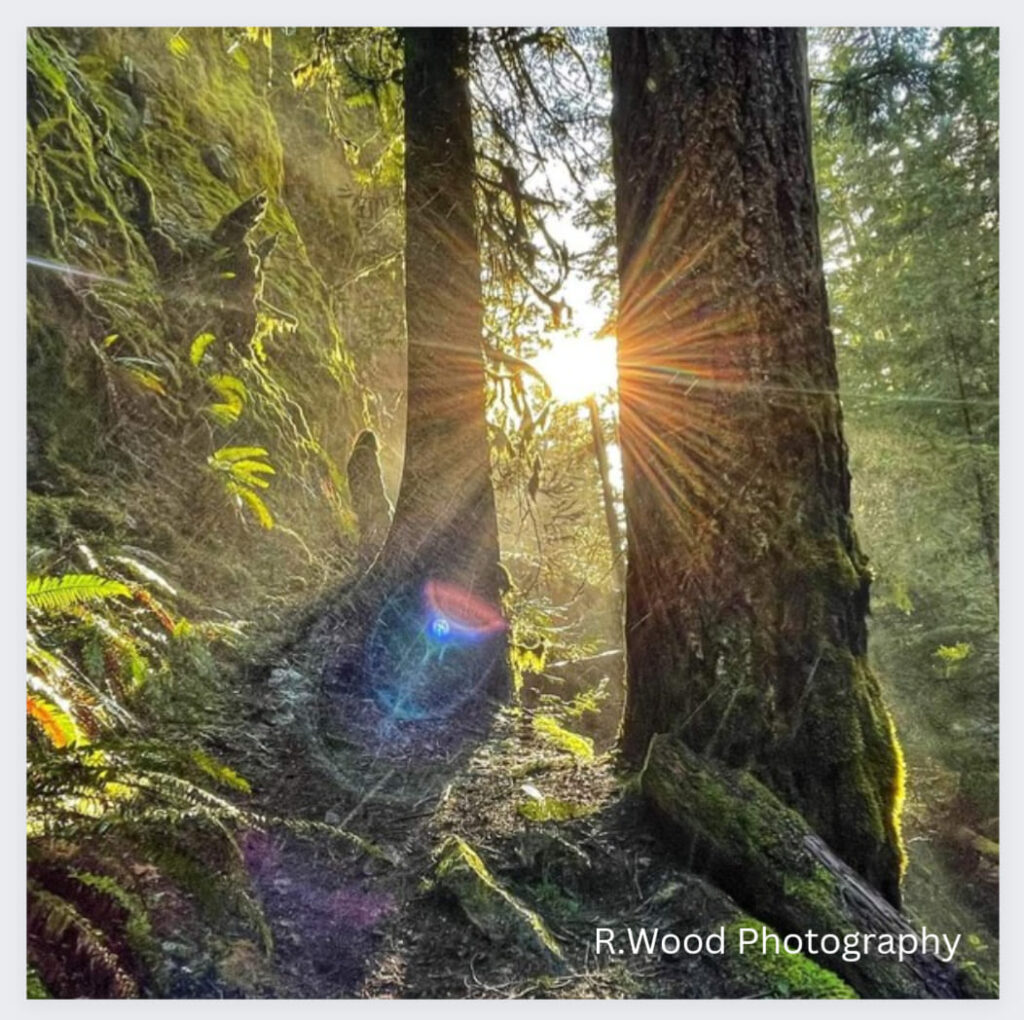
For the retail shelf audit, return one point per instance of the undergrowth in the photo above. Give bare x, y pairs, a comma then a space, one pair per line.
191, 396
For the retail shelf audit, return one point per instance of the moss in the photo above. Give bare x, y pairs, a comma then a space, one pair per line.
67, 518
578, 746
490, 907
842, 767
120, 186
898, 795
786, 975
817, 892
850, 576
551, 809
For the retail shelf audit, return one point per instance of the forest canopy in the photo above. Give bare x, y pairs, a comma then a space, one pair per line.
487, 485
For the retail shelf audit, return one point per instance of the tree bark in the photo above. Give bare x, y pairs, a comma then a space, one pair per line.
746, 589
767, 859
445, 525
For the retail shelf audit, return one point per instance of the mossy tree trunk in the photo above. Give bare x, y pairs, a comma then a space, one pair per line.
746, 589
445, 524
734, 829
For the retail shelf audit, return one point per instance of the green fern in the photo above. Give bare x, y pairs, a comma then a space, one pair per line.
35, 989
144, 796
221, 772
57, 594
242, 469
197, 351
253, 501
233, 394
137, 925
229, 454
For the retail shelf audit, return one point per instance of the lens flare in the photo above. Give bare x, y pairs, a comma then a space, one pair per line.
430, 651
456, 616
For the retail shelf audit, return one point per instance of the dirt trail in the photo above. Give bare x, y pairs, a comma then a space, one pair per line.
559, 834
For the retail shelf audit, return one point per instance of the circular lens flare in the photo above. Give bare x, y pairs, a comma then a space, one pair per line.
427, 653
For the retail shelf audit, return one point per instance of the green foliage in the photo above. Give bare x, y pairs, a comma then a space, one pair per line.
101, 792
243, 468
359, 69
89, 929
907, 163
198, 349
167, 371
147, 186
952, 655
52, 594
233, 395
35, 987
219, 771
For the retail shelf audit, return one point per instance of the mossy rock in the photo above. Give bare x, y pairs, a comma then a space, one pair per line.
502, 917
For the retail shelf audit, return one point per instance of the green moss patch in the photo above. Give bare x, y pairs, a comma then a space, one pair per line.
461, 872
785, 975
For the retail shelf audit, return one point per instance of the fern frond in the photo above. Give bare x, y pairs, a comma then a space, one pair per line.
137, 924
247, 472
34, 987
228, 454
58, 594
221, 772
258, 507
58, 726
59, 681
54, 917
121, 659
198, 349
44, 663
144, 379
165, 618
233, 395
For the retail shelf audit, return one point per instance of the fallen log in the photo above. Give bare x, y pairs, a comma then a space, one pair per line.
764, 855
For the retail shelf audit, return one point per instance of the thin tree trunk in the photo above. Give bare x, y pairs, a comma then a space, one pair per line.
746, 589
445, 525
611, 516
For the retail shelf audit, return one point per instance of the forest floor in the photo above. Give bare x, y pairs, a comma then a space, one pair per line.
466, 857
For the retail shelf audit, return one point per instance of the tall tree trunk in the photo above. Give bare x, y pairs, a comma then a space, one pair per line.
445, 525
746, 589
